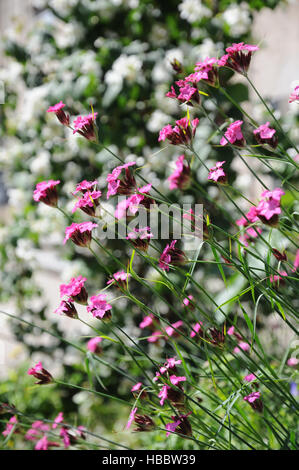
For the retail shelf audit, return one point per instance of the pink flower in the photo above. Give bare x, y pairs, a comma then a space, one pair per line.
182, 133
140, 238
217, 174
268, 208
85, 126
75, 290
242, 345
80, 234
294, 96
10, 425
131, 418
147, 321
99, 307
171, 427
195, 329
171, 330
93, 345
187, 93
265, 135
155, 337
136, 387
57, 420
208, 71
176, 380
163, 394
254, 400
58, 110
41, 374
250, 377
88, 203
231, 331
292, 362
64, 433
123, 186
180, 178
84, 186
42, 444
132, 203
67, 308
46, 192
180, 422
238, 57
234, 135
171, 362
120, 279
172, 255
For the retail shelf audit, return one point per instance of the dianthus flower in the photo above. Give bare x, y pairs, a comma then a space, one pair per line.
44, 444
182, 133
75, 290
117, 185
93, 345
196, 329
88, 203
131, 418
172, 255
140, 238
175, 380
188, 302
268, 208
84, 186
241, 346
119, 279
43, 376
292, 362
10, 425
278, 255
61, 116
254, 400
180, 178
171, 330
137, 391
85, 126
277, 280
80, 234
238, 57
217, 173
144, 423
294, 96
180, 424
99, 307
207, 70
46, 192
249, 377
67, 308
234, 135
187, 94
265, 135
131, 205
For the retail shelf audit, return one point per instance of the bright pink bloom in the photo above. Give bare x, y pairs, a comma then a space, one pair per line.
93, 345
182, 133
140, 238
64, 433
250, 377
238, 57
163, 394
85, 126
188, 300
294, 96
195, 329
57, 420
42, 444
75, 290
88, 203
147, 321
217, 173
180, 178
268, 208
120, 279
84, 186
171, 330
99, 307
46, 192
155, 337
61, 116
171, 362
242, 345
234, 135
10, 425
123, 186
172, 255
133, 202
171, 427
252, 397
41, 374
265, 135
131, 418
66, 308
136, 387
230, 331
80, 234
175, 380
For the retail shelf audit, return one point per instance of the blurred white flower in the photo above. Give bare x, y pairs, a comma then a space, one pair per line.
237, 17
193, 10
157, 120
63, 7
127, 67
67, 34
40, 165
